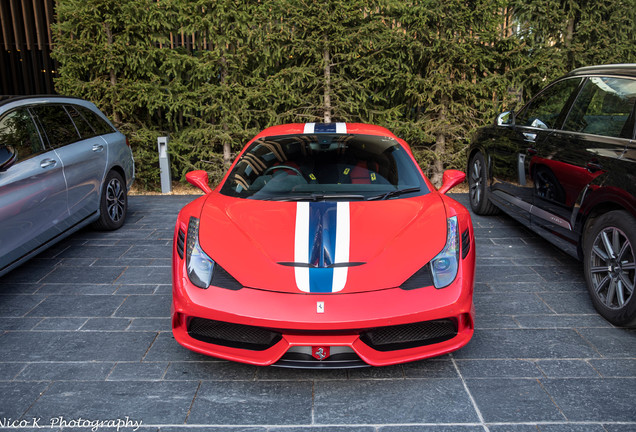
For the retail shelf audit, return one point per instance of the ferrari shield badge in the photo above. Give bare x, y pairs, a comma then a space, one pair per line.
320, 307
320, 353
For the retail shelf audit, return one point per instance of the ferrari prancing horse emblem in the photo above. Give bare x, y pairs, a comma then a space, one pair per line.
320, 307
320, 353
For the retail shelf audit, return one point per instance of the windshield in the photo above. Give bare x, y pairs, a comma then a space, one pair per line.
317, 167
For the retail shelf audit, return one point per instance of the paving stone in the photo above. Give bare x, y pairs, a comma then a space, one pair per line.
77, 289
17, 397
136, 289
8, 371
393, 402
515, 287
214, 370
526, 344
612, 342
70, 371
431, 429
604, 400
124, 262
74, 346
106, 324
154, 306
286, 374
570, 428
498, 369
146, 275
630, 427
252, 403
94, 252
137, 371
505, 274
14, 289
84, 275
431, 369
18, 323
18, 305
510, 304
567, 369
615, 368
60, 324
513, 400
29, 274
138, 251
150, 324
569, 303
560, 321
561, 273
150, 402
216, 429
483, 321
77, 306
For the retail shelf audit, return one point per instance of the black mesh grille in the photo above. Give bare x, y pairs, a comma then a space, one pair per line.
421, 278
232, 335
465, 243
221, 278
409, 335
180, 243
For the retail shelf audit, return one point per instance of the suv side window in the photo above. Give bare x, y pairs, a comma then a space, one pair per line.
604, 107
57, 125
98, 123
18, 131
545, 109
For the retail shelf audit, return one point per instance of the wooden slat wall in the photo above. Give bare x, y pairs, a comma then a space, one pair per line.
26, 66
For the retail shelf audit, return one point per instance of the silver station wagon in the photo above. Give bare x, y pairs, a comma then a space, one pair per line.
63, 166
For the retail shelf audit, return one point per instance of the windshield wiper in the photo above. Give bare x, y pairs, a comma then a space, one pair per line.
394, 193
315, 197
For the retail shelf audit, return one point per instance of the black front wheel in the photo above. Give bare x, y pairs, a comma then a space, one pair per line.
113, 203
478, 186
610, 266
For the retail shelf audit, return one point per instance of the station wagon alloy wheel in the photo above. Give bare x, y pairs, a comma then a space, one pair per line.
115, 200
477, 182
612, 267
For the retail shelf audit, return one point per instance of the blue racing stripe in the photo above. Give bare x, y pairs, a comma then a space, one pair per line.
325, 128
322, 245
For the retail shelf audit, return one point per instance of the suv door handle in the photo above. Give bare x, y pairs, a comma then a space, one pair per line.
45, 163
98, 147
593, 166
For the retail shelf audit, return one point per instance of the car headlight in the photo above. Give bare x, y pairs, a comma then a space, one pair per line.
444, 266
200, 266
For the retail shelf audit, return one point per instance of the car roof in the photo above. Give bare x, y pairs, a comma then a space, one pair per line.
625, 69
6, 99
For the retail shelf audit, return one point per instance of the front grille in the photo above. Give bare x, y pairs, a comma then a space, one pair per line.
409, 335
465, 243
232, 335
180, 243
421, 278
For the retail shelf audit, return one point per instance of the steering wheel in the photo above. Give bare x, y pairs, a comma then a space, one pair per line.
275, 167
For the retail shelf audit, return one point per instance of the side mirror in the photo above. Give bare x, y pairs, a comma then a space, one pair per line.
199, 179
450, 179
505, 118
8, 156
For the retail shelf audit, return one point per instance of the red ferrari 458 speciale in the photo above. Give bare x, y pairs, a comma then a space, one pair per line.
324, 246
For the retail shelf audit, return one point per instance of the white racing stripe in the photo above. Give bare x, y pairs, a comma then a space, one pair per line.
309, 128
343, 236
301, 246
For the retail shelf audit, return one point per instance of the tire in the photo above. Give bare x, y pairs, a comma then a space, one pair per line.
113, 203
478, 187
609, 253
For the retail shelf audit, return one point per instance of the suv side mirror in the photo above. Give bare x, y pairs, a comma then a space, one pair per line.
199, 179
8, 156
505, 118
450, 179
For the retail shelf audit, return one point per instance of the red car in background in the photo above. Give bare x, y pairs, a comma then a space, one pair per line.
324, 246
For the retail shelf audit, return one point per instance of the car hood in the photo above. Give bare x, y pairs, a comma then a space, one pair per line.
324, 247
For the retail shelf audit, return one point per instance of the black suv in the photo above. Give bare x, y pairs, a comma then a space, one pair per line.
565, 166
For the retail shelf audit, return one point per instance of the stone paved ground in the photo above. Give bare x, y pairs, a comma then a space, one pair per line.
85, 334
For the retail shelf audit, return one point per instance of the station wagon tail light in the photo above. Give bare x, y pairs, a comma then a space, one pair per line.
445, 265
